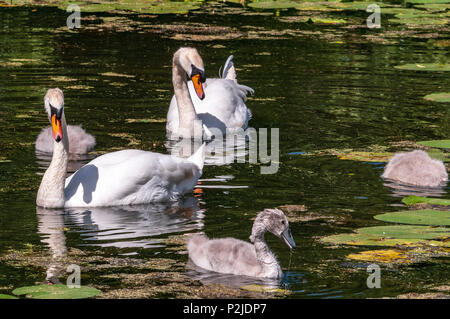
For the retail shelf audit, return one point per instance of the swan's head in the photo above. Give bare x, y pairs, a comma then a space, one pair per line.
54, 106
274, 221
191, 62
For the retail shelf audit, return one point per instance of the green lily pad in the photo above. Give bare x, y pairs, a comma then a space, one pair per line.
427, 1
436, 143
358, 239
434, 7
3, 296
57, 291
418, 217
439, 155
438, 97
270, 4
411, 200
260, 288
424, 67
406, 232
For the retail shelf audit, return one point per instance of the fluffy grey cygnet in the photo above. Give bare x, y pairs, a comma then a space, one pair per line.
233, 256
80, 142
416, 168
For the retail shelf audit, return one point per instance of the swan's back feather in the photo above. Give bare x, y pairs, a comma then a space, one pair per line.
130, 177
224, 255
229, 72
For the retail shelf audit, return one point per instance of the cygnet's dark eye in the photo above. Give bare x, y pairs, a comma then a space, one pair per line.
283, 222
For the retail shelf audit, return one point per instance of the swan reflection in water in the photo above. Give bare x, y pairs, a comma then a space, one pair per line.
404, 190
221, 150
76, 161
207, 277
119, 226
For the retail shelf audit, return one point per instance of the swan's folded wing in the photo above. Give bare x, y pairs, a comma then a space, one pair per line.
130, 177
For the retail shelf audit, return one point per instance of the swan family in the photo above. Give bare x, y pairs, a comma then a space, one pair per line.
199, 106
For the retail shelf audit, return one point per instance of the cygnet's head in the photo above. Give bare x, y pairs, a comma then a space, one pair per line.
191, 62
274, 221
54, 106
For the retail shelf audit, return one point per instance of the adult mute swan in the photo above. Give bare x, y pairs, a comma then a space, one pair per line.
220, 104
416, 168
233, 256
119, 178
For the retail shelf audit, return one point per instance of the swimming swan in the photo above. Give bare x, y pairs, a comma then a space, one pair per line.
220, 104
80, 142
416, 168
233, 256
119, 178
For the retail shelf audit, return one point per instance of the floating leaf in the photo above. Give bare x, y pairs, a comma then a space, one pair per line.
406, 232
57, 291
418, 217
438, 97
427, 1
366, 156
161, 120
424, 67
439, 155
269, 4
436, 143
3, 296
411, 200
260, 288
383, 256
118, 75
357, 239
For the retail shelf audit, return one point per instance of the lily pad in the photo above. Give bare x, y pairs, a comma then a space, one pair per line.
406, 232
411, 200
357, 239
260, 288
439, 155
418, 217
3, 296
57, 291
438, 97
436, 143
270, 4
366, 156
383, 256
426, 1
424, 67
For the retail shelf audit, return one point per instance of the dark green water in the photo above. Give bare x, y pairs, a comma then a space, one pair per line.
320, 94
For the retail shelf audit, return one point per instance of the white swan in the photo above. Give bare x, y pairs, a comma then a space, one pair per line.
80, 142
233, 256
416, 168
120, 178
220, 106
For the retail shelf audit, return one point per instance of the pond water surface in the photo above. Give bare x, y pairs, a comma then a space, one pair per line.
321, 94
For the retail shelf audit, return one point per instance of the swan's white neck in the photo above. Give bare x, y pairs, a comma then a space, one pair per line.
188, 120
266, 258
51, 190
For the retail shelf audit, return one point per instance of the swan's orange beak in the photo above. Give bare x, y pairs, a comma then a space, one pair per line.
198, 86
56, 128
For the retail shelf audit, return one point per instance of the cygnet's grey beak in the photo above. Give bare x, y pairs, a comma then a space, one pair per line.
287, 238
